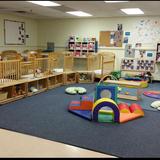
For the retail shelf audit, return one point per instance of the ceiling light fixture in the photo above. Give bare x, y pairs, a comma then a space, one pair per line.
45, 3
115, 1
132, 11
79, 13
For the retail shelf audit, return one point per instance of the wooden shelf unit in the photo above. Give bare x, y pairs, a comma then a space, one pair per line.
55, 80
33, 83
21, 88
59, 80
82, 48
70, 77
85, 76
51, 82
14, 92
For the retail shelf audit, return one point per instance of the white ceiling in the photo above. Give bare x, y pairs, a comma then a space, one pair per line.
96, 8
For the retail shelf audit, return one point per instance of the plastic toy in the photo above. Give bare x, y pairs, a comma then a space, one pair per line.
33, 89
152, 94
93, 108
116, 74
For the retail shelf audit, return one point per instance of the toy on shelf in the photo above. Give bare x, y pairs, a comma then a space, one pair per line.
33, 89
104, 108
38, 73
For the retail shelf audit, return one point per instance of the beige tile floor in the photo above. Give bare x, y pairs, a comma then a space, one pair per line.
13, 144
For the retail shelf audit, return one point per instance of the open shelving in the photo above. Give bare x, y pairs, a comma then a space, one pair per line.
82, 47
70, 77
59, 80
12, 93
85, 77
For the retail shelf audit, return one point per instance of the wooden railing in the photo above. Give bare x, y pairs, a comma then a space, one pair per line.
9, 70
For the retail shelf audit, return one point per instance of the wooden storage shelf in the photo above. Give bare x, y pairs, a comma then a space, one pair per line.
51, 82
34, 93
14, 92
42, 84
19, 90
85, 77
59, 80
8, 100
31, 85
6, 94
78, 47
69, 77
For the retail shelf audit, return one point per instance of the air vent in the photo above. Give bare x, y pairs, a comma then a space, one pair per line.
22, 12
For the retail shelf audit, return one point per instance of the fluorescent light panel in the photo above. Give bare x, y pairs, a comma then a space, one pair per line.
45, 3
132, 11
115, 1
79, 13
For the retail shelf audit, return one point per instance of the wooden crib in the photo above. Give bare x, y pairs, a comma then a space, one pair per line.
9, 71
101, 63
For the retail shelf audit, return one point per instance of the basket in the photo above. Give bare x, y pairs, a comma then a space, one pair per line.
3, 95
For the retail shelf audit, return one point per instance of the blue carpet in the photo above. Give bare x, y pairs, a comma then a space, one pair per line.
46, 116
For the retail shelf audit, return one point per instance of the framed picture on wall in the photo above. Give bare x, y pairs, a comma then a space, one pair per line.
14, 32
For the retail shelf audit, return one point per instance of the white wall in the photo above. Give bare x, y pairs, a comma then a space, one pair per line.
59, 30
31, 30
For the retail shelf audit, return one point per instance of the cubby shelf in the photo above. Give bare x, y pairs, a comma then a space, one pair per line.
13, 93
20, 89
82, 47
85, 77
70, 77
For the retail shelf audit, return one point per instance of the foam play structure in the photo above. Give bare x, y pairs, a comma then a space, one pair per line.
103, 107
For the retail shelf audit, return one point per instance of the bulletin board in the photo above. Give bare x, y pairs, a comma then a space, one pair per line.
14, 32
134, 64
111, 38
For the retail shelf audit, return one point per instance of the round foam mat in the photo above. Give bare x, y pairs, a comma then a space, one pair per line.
152, 94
